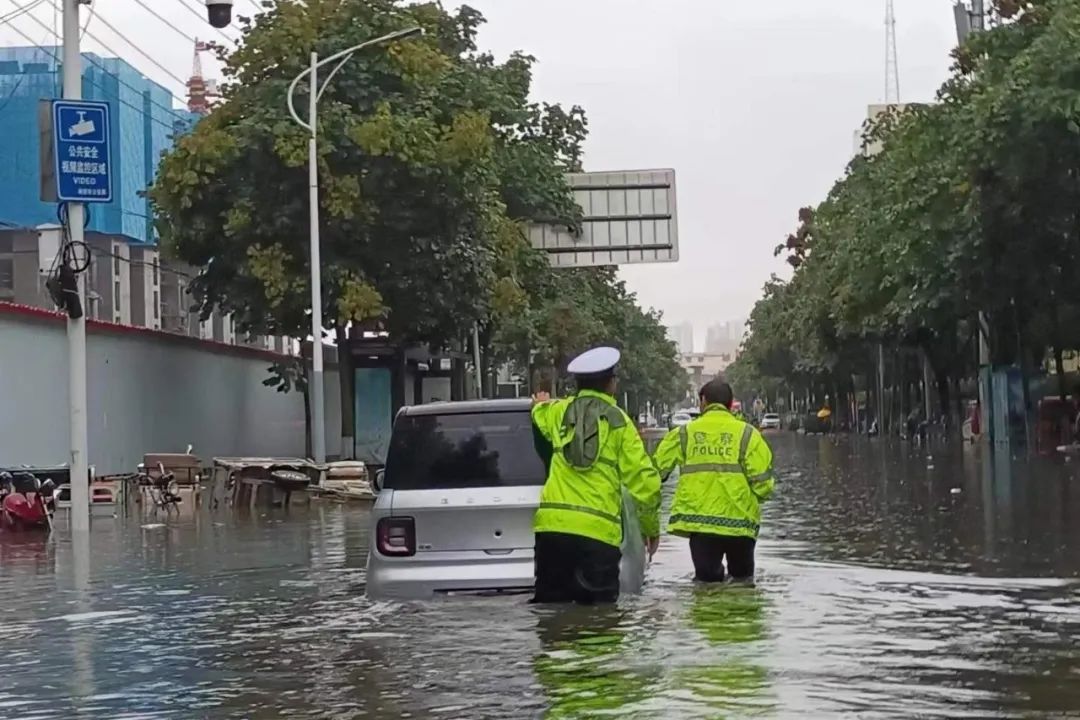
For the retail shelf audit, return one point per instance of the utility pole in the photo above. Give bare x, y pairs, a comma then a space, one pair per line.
318, 416
972, 20
76, 327
985, 378
318, 404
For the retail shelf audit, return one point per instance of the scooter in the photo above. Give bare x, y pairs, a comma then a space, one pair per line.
26, 503
164, 492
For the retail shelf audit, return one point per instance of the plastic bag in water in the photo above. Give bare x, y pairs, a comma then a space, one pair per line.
632, 567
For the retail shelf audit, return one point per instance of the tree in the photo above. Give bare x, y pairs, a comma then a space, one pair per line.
425, 147
969, 207
432, 158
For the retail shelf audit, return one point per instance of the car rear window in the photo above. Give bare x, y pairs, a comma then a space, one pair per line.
439, 452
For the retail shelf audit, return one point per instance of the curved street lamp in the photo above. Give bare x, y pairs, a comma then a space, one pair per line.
318, 420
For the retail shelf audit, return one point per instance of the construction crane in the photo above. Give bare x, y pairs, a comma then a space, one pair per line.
892, 66
200, 90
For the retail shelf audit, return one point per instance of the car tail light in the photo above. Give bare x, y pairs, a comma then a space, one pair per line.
396, 536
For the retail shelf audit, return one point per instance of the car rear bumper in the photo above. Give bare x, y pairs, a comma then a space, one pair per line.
426, 575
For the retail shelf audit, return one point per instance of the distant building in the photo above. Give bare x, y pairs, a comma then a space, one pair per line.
702, 367
873, 112
127, 283
683, 336
725, 338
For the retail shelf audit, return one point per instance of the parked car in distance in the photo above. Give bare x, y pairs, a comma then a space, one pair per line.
456, 502
680, 418
770, 421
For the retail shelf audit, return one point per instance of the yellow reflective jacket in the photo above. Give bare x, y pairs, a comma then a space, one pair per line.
585, 497
726, 473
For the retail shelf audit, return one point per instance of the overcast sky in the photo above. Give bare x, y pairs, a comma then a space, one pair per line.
755, 105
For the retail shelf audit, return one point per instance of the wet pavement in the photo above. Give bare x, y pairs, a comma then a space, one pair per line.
893, 582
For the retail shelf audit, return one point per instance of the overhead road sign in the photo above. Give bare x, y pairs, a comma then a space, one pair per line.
629, 218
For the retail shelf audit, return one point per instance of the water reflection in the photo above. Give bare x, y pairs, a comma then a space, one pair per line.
725, 676
948, 508
894, 582
582, 666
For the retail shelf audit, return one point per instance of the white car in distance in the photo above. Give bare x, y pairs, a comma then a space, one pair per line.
680, 418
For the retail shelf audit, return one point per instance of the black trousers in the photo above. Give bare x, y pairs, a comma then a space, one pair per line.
572, 568
708, 553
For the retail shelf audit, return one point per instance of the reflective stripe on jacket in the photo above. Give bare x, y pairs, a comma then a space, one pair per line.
588, 501
725, 474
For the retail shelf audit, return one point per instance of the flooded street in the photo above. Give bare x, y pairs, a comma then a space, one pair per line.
892, 582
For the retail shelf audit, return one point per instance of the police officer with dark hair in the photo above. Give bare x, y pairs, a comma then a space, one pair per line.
725, 474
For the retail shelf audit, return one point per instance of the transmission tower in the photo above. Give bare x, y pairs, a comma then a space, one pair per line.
200, 89
892, 66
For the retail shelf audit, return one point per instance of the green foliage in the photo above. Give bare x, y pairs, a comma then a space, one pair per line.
971, 205
287, 375
565, 312
431, 158
426, 148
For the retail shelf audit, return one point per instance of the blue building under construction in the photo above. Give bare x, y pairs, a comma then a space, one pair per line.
144, 123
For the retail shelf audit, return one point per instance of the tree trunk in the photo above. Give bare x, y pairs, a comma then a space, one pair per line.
346, 387
900, 397
958, 399
489, 375
879, 408
942, 381
1059, 368
1059, 359
1025, 381
927, 384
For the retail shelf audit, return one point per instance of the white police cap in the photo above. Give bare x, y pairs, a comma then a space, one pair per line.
594, 362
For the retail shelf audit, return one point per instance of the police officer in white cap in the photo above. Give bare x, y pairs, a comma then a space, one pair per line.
595, 450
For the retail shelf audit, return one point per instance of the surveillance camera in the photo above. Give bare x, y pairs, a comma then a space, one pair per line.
219, 12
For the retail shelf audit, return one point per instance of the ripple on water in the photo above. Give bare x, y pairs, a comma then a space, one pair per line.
880, 594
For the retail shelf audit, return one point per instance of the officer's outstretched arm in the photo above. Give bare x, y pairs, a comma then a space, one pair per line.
759, 469
641, 479
670, 453
542, 417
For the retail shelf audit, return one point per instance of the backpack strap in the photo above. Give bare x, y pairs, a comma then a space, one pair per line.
581, 424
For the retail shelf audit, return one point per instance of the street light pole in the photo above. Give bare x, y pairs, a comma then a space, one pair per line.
318, 416
76, 327
986, 370
318, 402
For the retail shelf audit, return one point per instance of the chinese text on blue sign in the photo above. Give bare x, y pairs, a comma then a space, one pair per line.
83, 162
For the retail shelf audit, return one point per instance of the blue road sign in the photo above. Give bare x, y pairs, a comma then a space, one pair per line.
83, 152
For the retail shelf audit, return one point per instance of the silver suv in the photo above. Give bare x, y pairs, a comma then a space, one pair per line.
456, 504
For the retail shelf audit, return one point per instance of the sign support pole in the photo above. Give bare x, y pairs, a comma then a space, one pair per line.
76, 327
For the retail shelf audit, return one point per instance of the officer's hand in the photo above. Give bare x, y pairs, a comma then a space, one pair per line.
541, 397
651, 544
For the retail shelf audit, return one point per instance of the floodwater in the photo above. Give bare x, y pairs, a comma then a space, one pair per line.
893, 582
